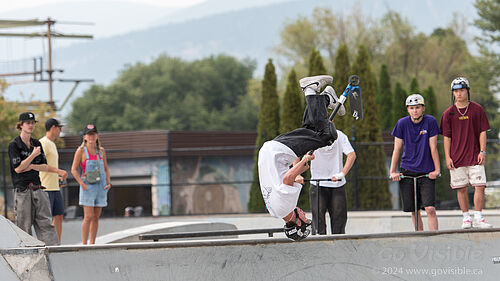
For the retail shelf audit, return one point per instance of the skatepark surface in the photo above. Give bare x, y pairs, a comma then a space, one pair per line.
377, 246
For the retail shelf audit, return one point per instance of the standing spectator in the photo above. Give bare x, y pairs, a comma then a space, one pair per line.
328, 163
91, 157
50, 180
417, 135
464, 126
32, 205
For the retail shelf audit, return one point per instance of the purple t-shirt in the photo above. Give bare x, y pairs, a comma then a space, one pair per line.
416, 150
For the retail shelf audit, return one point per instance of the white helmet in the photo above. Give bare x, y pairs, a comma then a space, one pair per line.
415, 99
459, 83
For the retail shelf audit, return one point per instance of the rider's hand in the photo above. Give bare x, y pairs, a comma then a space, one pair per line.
308, 157
434, 174
299, 179
396, 176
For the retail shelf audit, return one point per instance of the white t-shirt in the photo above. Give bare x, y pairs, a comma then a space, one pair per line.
328, 161
274, 161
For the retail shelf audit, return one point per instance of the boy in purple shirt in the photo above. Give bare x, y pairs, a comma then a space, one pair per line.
464, 126
417, 135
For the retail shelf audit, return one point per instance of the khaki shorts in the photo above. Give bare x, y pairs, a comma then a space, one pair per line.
461, 177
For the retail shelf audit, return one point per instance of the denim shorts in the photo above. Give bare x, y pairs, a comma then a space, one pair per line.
95, 195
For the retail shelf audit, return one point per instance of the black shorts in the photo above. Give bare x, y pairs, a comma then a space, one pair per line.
426, 191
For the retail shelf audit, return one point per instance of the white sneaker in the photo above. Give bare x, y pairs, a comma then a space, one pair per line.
315, 82
330, 92
466, 224
482, 224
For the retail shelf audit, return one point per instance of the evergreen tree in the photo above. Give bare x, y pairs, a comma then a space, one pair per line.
293, 109
414, 88
430, 102
384, 98
316, 65
267, 129
398, 104
340, 80
370, 160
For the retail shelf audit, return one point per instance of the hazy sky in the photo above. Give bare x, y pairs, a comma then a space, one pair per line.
9, 5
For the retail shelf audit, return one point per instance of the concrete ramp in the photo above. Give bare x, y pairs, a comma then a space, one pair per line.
444, 255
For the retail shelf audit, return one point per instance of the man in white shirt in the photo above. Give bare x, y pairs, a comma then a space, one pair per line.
332, 195
281, 185
51, 180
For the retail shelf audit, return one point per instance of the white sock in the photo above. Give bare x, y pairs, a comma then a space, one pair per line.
478, 216
466, 216
308, 91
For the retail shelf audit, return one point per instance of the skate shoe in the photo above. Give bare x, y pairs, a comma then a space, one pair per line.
315, 82
481, 223
330, 92
466, 224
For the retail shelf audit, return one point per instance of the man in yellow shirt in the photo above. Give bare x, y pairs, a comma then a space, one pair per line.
51, 180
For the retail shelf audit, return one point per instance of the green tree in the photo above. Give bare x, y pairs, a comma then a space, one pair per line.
340, 79
384, 98
398, 104
168, 93
293, 108
316, 65
267, 129
430, 102
370, 160
414, 88
488, 21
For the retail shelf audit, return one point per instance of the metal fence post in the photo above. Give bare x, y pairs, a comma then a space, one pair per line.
354, 171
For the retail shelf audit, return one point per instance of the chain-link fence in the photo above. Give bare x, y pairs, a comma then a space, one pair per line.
216, 184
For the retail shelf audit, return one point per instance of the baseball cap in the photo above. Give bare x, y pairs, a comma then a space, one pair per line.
89, 128
52, 122
27, 116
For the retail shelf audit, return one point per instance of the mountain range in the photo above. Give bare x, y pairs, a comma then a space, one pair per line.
248, 30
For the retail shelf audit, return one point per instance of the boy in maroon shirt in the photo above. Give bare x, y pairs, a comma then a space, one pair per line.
464, 126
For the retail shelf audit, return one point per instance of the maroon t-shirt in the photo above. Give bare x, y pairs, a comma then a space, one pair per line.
464, 132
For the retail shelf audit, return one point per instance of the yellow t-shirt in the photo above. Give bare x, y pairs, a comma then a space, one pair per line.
50, 180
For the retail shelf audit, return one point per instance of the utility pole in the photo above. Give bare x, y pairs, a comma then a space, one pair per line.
49, 66
50, 70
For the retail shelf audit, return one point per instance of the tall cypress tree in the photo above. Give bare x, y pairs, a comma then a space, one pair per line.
398, 104
293, 110
344, 123
340, 80
414, 88
372, 194
430, 102
267, 129
316, 65
384, 98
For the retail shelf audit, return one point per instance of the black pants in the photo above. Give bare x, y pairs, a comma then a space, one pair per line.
317, 130
335, 201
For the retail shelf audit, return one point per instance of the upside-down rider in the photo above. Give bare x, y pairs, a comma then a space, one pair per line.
281, 184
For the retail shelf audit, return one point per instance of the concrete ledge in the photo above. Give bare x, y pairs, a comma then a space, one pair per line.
132, 234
